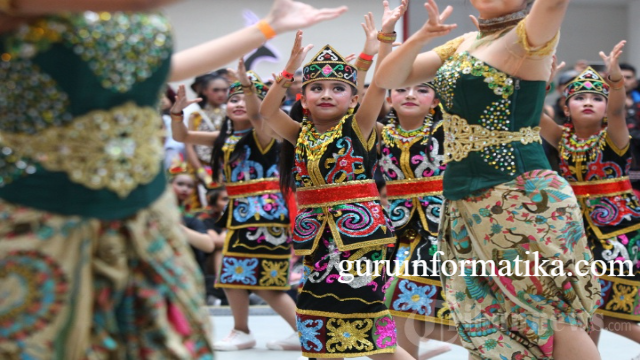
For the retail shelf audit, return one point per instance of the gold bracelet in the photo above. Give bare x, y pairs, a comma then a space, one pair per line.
247, 89
387, 38
177, 118
8, 7
612, 83
362, 65
285, 84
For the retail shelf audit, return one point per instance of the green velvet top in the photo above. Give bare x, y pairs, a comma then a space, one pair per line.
79, 122
486, 97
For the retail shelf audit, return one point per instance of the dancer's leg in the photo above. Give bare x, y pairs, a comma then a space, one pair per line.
571, 342
409, 333
239, 303
444, 333
282, 304
598, 323
400, 354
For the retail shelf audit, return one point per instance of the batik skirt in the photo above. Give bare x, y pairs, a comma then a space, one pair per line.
508, 314
256, 258
416, 291
343, 319
77, 288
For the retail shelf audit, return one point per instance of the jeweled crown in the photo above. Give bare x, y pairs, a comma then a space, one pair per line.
328, 64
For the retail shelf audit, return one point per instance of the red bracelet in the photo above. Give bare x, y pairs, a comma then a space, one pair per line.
364, 56
287, 75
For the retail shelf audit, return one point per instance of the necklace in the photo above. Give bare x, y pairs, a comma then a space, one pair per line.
572, 147
312, 144
394, 134
498, 24
233, 139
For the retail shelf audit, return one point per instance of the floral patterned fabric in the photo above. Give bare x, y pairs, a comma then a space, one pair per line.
512, 317
415, 155
612, 222
341, 319
77, 288
257, 250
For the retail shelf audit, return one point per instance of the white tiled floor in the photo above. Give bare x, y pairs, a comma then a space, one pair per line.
267, 327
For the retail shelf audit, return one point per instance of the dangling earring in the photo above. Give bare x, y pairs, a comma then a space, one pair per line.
391, 118
305, 115
229, 129
605, 120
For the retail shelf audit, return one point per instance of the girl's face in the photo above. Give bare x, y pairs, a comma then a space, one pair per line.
586, 109
413, 101
183, 186
216, 91
221, 202
328, 100
489, 9
236, 108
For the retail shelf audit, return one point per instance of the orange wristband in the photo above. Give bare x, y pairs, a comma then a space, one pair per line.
266, 29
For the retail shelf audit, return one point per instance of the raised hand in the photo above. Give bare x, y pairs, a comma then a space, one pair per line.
390, 17
612, 61
371, 44
435, 26
287, 15
240, 74
298, 53
182, 101
555, 68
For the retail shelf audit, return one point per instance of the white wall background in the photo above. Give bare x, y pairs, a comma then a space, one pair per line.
590, 26
196, 21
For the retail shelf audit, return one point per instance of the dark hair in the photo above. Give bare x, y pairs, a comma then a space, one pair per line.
287, 150
201, 82
217, 155
629, 67
214, 194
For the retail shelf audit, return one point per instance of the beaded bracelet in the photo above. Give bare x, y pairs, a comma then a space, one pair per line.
362, 65
612, 83
285, 84
387, 38
262, 25
287, 75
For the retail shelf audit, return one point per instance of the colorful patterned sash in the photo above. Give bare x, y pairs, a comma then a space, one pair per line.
400, 189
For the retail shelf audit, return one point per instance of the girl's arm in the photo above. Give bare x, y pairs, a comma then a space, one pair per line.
543, 22
42, 7
404, 67
200, 241
285, 15
270, 110
179, 129
252, 103
617, 126
368, 112
550, 131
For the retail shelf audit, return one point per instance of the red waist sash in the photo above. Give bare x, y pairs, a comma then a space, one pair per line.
253, 188
399, 189
336, 194
599, 188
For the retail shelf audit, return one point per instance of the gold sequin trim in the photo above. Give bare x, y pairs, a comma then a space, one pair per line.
547, 49
117, 149
447, 50
462, 138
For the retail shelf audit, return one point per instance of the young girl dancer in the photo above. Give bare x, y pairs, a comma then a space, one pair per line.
413, 164
89, 229
340, 217
595, 158
257, 248
502, 200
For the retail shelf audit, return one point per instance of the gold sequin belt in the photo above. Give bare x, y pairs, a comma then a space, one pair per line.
116, 149
461, 138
